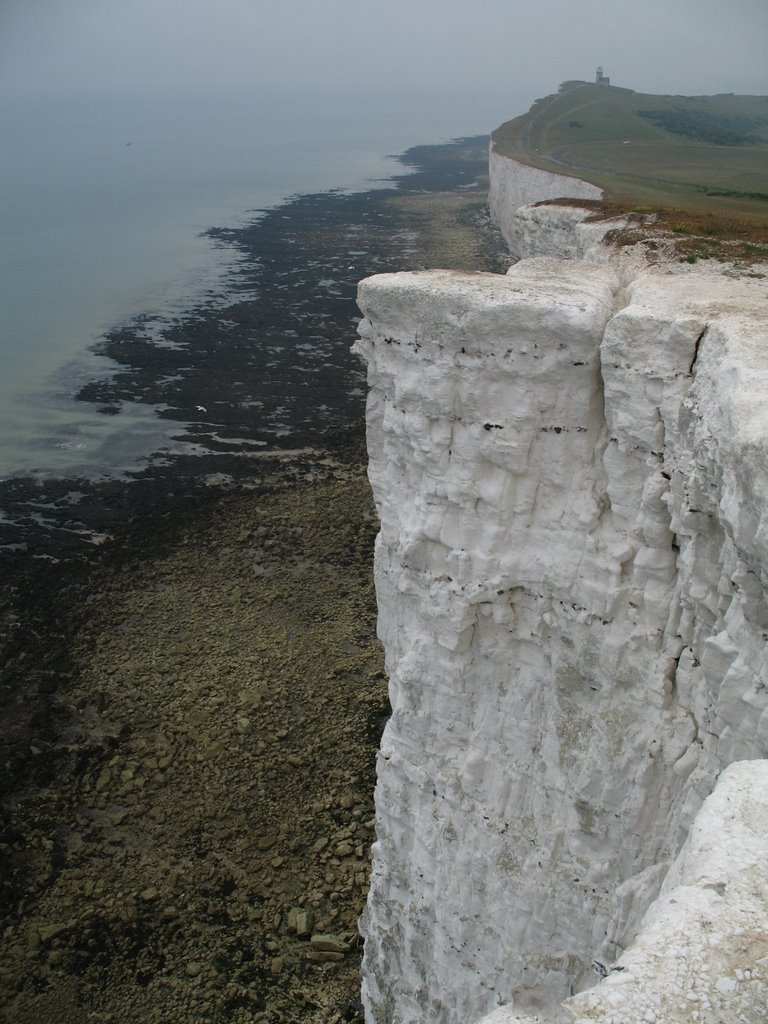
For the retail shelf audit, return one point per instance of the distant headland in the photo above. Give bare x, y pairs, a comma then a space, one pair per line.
697, 152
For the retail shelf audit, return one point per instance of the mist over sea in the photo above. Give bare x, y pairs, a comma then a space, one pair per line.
103, 206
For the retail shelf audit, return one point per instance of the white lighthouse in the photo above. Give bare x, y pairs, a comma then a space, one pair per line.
600, 78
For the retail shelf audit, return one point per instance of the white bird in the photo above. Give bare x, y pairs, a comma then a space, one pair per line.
201, 408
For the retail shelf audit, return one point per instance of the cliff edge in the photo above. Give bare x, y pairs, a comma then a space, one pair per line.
569, 465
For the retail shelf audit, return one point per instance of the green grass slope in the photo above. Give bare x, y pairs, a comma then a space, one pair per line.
697, 152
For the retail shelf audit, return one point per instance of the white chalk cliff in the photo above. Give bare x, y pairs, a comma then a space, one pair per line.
570, 465
533, 230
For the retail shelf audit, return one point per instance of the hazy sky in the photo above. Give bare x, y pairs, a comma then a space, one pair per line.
477, 48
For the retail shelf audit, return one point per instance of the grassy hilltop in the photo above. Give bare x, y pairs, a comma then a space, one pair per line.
701, 153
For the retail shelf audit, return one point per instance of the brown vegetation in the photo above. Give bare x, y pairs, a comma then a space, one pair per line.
694, 234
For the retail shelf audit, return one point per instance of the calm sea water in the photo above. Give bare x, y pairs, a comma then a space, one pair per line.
102, 209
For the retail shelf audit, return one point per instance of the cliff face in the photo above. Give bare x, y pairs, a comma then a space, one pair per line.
571, 476
529, 230
700, 954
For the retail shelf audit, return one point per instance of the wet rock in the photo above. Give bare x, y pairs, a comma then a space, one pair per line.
49, 932
329, 943
305, 922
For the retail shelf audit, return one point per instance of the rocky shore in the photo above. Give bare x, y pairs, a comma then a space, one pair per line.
207, 775
192, 690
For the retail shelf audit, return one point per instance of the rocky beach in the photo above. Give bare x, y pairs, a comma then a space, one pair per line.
192, 690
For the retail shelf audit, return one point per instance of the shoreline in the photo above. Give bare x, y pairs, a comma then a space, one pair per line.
160, 633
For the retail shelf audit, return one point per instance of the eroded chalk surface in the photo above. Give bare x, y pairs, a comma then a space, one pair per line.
570, 472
